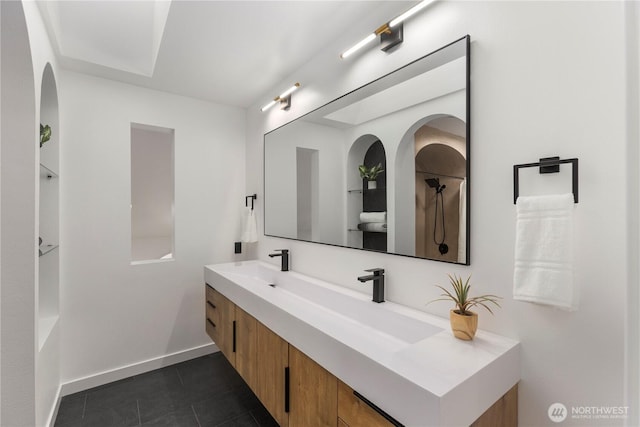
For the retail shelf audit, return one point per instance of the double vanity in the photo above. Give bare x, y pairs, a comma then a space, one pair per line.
319, 354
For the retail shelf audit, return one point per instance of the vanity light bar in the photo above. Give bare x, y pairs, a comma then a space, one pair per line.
365, 41
415, 9
387, 30
282, 98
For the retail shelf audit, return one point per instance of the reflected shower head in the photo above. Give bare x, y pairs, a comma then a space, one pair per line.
433, 182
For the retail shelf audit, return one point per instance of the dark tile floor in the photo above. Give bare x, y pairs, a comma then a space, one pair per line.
202, 392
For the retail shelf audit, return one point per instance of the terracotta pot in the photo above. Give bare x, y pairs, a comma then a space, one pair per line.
463, 327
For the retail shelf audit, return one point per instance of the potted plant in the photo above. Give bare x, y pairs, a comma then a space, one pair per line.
464, 322
370, 174
45, 134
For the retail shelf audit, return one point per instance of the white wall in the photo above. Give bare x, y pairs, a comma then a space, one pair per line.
114, 314
547, 79
45, 363
18, 207
633, 220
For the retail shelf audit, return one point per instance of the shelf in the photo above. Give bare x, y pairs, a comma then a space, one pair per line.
366, 190
368, 231
46, 248
45, 172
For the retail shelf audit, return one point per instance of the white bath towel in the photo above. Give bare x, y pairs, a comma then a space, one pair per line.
373, 227
543, 271
249, 226
462, 223
373, 217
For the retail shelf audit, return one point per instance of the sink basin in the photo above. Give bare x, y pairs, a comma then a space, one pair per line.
350, 307
359, 308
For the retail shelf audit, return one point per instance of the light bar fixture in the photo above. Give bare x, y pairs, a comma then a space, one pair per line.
284, 99
391, 33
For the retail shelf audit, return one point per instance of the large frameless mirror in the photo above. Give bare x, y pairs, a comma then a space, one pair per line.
383, 168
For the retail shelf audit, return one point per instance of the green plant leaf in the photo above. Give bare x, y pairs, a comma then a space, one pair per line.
461, 297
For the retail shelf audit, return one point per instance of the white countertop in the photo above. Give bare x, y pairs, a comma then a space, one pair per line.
405, 361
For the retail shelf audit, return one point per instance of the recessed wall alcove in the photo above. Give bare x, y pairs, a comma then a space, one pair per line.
367, 150
48, 284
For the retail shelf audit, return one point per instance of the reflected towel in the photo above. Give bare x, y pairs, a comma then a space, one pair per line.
373, 217
462, 223
543, 271
249, 226
374, 227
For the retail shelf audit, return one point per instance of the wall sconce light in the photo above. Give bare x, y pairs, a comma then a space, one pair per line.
391, 33
284, 99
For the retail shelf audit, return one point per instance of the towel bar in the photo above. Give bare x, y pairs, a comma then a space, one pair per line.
547, 165
246, 200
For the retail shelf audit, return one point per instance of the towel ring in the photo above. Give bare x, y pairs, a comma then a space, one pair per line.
548, 165
246, 200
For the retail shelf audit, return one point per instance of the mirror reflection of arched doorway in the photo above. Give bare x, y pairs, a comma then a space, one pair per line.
373, 223
366, 206
440, 190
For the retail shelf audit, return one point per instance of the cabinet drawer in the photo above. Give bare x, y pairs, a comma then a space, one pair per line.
354, 412
211, 294
212, 321
213, 314
211, 330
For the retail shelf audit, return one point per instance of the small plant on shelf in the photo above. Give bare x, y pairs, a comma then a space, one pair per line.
45, 134
464, 322
370, 174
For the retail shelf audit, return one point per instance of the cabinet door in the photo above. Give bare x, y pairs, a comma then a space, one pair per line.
354, 412
221, 315
246, 342
504, 412
272, 362
313, 393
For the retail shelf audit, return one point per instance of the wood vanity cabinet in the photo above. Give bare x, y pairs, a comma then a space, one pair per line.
296, 390
313, 401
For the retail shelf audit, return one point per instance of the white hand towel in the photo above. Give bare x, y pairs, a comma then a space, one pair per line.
543, 271
373, 217
373, 227
249, 226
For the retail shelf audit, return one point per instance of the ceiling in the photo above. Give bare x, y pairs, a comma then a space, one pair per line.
228, 52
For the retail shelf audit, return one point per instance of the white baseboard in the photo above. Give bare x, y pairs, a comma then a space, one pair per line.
106, 377
54, 411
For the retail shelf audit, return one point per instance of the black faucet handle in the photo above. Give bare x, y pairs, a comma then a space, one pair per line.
284, 251
376, 271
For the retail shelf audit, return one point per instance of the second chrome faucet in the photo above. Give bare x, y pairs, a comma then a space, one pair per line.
378, 283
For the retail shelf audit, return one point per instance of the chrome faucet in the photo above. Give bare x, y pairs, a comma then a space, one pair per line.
284, 253
378, 283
